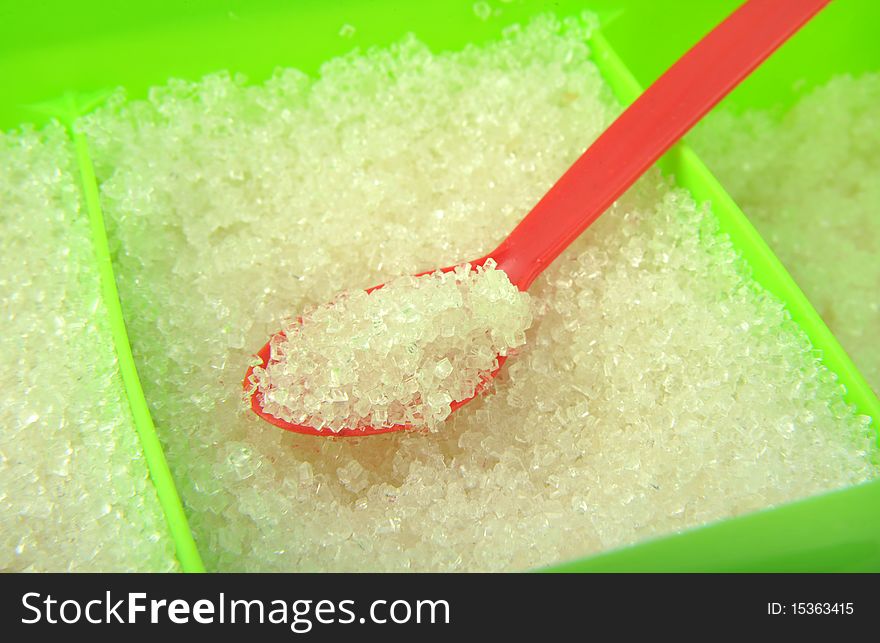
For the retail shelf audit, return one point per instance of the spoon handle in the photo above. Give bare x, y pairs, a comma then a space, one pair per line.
649, 127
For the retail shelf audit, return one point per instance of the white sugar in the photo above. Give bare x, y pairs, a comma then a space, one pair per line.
659, 387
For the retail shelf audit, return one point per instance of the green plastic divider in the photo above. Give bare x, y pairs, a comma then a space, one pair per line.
690, 172
67, 110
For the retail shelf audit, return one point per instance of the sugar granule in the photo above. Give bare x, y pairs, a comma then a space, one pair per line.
807, 179
482, 10
74, 490
659, 388
398, 355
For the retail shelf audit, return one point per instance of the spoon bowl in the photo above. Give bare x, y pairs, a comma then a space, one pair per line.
265, 357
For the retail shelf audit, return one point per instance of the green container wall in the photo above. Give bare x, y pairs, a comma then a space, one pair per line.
53, 47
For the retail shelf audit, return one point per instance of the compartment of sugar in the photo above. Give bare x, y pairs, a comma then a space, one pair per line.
74, 489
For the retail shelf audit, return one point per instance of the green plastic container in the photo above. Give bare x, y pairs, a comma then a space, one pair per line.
57, 58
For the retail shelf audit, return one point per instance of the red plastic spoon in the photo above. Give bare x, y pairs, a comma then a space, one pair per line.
642, 133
